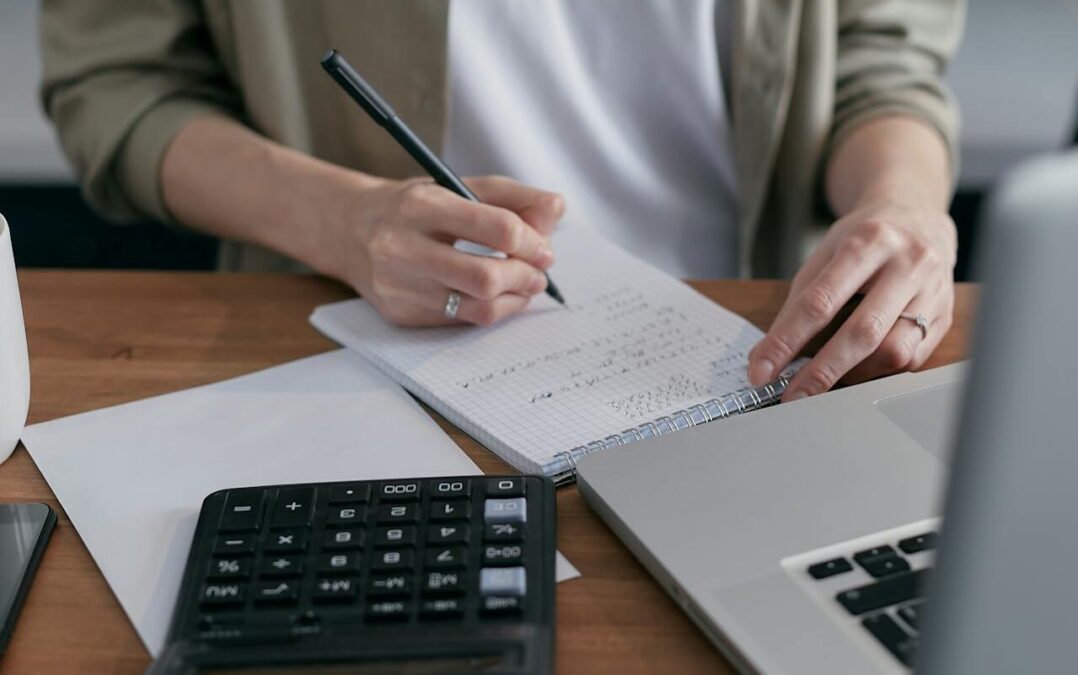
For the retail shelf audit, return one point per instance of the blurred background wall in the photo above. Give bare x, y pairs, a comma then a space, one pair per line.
1016, 77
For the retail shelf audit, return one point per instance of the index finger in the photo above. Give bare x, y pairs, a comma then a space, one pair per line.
491, 226
808, 311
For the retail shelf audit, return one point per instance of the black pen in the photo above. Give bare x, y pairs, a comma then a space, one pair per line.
380, 111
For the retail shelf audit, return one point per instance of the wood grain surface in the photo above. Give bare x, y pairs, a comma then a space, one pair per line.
103, 338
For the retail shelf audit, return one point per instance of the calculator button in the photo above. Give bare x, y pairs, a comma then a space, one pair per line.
505, 510
350, 494
289, 541
399, 491
243, 510
441, 608
443, 582
294, 507
442, 511
503, 554
447, 534
281, 566
450, 489
389, 610
229, 568
869, 554
394, 559
398, 513
389, 585
444, 556
338, 563
395, 536
503, 532
275, 592
505, 487
346, 516
222, 595
502, 581
501, 604
343, 540
234, 544
335, 589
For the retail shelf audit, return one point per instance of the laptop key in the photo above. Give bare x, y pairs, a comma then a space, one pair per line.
869, 554
896, 640
885, 565
829, 568
893, 590
922, 542
911, 614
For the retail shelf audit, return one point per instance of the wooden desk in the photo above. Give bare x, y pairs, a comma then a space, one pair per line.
102, 338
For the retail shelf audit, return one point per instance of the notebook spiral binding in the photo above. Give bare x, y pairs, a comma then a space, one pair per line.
563, 469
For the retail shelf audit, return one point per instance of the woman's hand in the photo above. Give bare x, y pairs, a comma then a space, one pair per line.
901, 258
394, 244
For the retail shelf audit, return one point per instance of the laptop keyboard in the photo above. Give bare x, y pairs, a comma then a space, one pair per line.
889, 607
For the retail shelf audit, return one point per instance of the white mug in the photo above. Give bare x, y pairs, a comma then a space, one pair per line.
14, 363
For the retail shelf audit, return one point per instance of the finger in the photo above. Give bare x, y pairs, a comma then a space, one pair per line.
478, 276
539, 208
859, 337
897, 351
810, 310
491, 226
487, 312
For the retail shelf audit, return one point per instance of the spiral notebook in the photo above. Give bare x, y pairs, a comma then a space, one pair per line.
635, 353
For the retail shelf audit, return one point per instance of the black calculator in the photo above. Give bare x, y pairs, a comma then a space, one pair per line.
427, 575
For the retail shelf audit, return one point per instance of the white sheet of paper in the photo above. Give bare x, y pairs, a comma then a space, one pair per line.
132, 477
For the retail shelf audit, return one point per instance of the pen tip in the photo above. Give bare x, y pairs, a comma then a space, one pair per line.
553, 292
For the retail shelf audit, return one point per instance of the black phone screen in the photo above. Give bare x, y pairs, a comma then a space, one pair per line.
24, 529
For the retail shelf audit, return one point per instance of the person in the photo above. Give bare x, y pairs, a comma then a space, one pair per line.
705, 135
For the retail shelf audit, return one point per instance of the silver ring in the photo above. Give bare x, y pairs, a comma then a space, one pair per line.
920, 319
452, 304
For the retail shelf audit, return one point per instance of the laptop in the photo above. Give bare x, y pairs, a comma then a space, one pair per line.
804, 538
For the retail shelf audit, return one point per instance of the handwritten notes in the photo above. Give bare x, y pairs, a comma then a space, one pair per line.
634, 344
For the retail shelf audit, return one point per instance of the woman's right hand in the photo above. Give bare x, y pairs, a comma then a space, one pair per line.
394, 244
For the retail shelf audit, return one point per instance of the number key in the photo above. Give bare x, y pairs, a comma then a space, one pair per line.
447, 534
343, 540
399, 491
345, 516
395, 536
505, 487
393, 559
339, 563
450, 489
397, 513
443, 511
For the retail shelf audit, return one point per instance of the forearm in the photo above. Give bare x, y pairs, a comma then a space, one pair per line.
219, 177
892, 158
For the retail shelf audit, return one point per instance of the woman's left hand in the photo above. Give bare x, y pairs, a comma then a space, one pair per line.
901, 258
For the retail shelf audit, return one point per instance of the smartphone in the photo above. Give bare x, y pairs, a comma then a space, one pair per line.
24, 530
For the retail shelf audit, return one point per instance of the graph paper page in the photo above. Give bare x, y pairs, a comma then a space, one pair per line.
633, 344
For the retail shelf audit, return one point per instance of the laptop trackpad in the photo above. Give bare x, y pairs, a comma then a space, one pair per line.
928, 416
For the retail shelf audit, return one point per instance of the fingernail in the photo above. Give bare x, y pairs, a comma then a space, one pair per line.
545, 257
797, 395
760, 372
537, 284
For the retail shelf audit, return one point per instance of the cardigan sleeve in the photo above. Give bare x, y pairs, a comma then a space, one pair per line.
891, 58
121, 78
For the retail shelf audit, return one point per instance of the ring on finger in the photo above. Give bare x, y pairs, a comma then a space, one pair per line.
452, 304
920, 319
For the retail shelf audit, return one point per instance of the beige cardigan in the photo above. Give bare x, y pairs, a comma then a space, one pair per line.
122, 77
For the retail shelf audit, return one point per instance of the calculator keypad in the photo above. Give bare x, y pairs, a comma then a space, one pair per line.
407, 551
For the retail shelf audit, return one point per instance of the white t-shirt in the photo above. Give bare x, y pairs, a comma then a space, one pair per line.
616, 104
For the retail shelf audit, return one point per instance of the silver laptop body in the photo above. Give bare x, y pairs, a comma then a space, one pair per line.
730, 517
